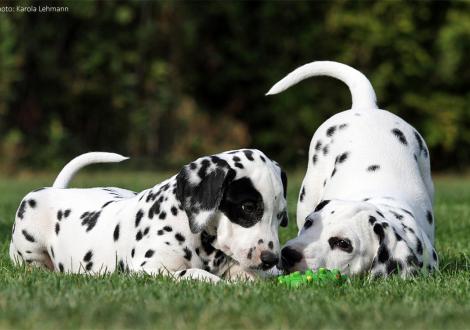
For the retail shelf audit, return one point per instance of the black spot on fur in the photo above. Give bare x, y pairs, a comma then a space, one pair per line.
203, 170
187, 253
120, 267
149, 253
401, 137
67, 213
32, 203
106, 204
88, 256
250, 253
343, 126
393, 266
271, 245
429, 217
132, 253
167, 228
302, 194
138, 217
421, 144
419, 246
28, 236
314, 159
52, 253
262, 158
239, 165
206, 242
408, 212
90, 219
372, 219
434, 255
61, 267
260, 241
21, 210
116, 233
318, 146
162, 215
174, 211
412, 260
57, 228
143, 264
180, 238
341, 158
373, 168
397, 215
379, 231
249, 154
160, 232
325, 150
59, 215
334, 172
139, 235
321, 205
146, 230
330, 131
89, 266
398, 237
380, 214
383, 254
192, 166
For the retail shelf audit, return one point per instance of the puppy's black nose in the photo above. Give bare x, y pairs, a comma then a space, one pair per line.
289, 257
269, 258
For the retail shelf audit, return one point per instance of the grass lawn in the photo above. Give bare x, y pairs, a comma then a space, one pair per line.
39, 299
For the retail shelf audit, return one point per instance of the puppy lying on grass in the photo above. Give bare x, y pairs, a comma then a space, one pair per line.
218, 217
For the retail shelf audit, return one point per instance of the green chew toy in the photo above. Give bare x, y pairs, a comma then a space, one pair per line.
322, 276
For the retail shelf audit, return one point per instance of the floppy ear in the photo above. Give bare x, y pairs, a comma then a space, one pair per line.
401, 251
200, 191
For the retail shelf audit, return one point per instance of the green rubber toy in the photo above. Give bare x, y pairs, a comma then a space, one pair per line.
321, 276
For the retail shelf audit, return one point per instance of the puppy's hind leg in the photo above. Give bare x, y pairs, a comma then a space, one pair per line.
28, 237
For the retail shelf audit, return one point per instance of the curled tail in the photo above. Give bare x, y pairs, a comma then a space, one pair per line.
81, 161
363, 95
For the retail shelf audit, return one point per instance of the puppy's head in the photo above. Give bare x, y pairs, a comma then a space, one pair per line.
240, 197
356, 238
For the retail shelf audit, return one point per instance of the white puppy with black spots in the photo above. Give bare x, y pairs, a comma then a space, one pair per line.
365, 205
218, 217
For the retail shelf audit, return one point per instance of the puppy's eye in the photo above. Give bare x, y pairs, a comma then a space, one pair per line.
248, 207
343, 244
308, 223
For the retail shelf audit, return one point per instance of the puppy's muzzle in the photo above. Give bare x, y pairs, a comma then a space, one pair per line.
289, 257
268, 259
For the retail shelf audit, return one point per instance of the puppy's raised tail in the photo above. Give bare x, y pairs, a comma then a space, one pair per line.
81, 161
363, 95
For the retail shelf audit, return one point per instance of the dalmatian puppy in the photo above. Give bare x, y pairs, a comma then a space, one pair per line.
365, 205
218, 217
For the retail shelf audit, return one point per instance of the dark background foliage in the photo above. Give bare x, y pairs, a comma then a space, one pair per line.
165, 82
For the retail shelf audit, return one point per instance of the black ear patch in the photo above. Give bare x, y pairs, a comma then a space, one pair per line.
198, 198
284, 218
321, 205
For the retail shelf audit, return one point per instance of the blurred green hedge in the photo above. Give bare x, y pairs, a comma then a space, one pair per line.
170, 81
